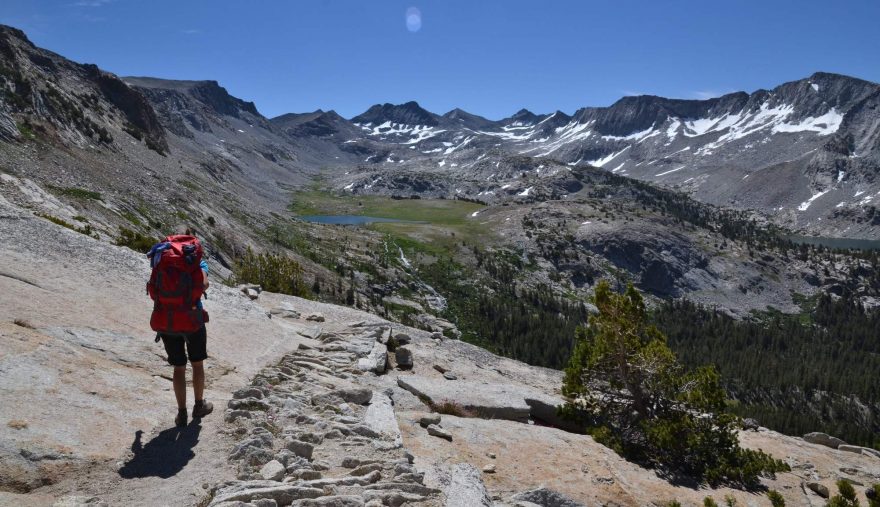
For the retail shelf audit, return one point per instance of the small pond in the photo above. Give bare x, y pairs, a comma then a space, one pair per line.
350, 219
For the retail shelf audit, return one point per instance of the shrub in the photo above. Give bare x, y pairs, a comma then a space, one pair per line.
134, 240
846, 496
274, 273
79, 193
23, 323
86, 229
628, 389
709, 502
448, 407
776, 499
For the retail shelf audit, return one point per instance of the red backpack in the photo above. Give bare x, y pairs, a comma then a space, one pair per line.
176, 285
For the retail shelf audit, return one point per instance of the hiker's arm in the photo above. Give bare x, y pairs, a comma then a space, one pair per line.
204, 266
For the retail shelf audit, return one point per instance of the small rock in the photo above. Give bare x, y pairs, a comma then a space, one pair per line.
429, 419
252, 294
285, 313
823, 439
365, 469
871, 494
750, 424
272, 471
819, 489
315, 317
303, 449
441, 368
248, 392
489, 469
437, 336
404, 358
491, 455
450, 376
437, 431
403, 338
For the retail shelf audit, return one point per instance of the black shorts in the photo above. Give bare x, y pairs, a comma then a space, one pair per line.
177, 347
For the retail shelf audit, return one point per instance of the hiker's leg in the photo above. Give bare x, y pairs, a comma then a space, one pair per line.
180, 386
198, 380
196, 346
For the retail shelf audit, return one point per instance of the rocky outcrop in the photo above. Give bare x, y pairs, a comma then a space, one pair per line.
823, 439
466, 488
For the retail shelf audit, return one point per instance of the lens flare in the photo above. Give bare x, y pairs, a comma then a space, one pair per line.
413, 19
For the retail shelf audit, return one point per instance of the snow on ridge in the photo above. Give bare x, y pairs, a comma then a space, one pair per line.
635, 136
824, 125
815, 87
698, 127
664, 173
525, 192
806, 204
602, 161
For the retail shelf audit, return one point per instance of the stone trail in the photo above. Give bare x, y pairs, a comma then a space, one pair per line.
308, 435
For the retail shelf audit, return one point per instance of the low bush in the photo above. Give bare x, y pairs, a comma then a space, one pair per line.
134, 240
274, 273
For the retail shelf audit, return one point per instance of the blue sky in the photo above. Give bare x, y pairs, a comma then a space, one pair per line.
489, 57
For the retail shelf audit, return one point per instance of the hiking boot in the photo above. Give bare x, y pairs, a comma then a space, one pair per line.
202, 408
181, 418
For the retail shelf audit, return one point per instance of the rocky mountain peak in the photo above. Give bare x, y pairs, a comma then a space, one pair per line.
463, 118
410, 113
208, 92
523, 116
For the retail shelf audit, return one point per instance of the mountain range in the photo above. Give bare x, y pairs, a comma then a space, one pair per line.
805, 154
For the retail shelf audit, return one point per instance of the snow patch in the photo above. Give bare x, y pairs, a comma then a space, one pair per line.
664, 173
806, 204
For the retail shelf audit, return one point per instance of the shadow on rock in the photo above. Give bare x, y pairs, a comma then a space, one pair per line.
163, 456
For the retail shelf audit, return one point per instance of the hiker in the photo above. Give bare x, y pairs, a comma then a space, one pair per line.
177, 283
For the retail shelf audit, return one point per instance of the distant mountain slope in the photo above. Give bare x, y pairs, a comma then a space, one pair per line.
805, 154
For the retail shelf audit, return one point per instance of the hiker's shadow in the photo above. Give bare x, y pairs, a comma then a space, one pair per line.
163, 456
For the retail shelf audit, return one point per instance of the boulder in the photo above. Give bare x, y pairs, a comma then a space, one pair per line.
466, 488
403, 339
252, 294
429, 419
489, 469
819, 489
495, 401
376, 361
380, 418
404, 358
545, 498
285, 313
358, 396
437, 431
859, 450
823, 439
315, 317
272, 471
750, 424
303, 449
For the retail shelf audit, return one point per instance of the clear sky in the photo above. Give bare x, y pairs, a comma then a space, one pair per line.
489, 57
